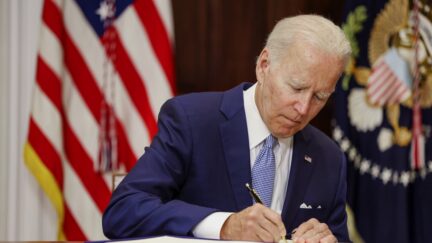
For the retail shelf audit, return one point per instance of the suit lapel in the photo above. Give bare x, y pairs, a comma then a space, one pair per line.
235, 144
301, 171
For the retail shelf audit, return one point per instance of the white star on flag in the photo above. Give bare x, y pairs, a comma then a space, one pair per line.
105, 10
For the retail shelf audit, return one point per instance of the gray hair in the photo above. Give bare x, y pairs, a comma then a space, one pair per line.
312, 29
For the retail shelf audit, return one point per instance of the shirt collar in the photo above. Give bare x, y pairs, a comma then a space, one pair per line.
257, 130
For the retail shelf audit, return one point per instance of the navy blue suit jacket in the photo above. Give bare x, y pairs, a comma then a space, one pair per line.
199, 162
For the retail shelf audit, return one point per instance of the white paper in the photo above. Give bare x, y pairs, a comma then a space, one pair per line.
171, 239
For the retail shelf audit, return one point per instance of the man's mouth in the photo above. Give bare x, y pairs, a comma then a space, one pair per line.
298, 121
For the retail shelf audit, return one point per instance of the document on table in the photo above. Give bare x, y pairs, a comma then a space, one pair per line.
172, 239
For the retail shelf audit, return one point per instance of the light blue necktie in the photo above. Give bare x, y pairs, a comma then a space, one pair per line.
263, 171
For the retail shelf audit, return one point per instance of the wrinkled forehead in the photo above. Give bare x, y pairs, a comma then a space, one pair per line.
300, 51
310, 67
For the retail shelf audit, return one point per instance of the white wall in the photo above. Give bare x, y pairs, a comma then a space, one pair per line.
25, 212
3, 120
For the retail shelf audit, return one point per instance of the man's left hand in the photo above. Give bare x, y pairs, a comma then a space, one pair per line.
312, 231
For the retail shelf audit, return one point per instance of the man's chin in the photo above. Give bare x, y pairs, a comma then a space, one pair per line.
285, 133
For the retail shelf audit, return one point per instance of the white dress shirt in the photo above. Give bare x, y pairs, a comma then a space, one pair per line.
210, 226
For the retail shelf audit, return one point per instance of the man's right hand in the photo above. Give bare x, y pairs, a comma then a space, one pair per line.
255, 223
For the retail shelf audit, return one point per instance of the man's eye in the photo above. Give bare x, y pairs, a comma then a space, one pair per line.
319, 98
296, 89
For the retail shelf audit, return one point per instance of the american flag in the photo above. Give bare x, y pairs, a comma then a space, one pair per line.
104, 68
390, 81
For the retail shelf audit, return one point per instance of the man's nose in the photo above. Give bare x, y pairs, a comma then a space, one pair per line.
303, 103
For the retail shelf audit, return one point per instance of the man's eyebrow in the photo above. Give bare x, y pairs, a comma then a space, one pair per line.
298, 82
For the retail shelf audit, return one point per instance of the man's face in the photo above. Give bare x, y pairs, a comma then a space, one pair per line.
292, 91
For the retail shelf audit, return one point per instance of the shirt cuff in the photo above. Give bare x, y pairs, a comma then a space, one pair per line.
211, 226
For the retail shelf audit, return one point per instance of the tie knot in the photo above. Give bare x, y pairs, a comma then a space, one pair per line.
269, 141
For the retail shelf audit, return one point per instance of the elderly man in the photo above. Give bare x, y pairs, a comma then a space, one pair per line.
191, 180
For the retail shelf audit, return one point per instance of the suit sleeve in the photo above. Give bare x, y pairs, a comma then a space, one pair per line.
145, 203
338, 218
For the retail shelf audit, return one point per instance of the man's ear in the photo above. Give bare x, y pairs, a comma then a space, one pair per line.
262, 65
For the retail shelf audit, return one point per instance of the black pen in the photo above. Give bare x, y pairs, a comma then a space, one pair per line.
254, 194
257, 199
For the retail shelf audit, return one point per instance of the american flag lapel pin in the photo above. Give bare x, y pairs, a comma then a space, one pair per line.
308, 159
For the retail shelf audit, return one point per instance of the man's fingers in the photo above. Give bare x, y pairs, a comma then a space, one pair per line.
313, 231
318, 236
319, 229
328, 239
270, 222
254, 223
272, 229
304, 227
263, 235
276, 220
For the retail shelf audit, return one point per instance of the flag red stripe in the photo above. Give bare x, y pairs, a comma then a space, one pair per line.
382, 84
83, 165
379, 81
125, 153
399, 95
391, 91
388, 91
52, 17
49, 83
83, 78
71, 228
377, 74
135, 87
378, 65
46, 152
158, 36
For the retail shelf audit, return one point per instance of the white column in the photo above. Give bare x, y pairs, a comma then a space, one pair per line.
3, 119
28, 214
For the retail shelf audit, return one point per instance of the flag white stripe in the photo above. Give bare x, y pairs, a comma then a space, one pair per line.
378, 84
59, 3
386, 82
51, 50
401, 94
82, 123
42, 108
136, 132
377, 71
390, 82
85, 40
389, 91
165, 12
137, 45
376, 80
81, 205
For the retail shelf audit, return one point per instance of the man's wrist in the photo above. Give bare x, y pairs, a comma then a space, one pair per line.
210, 227
225, 231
